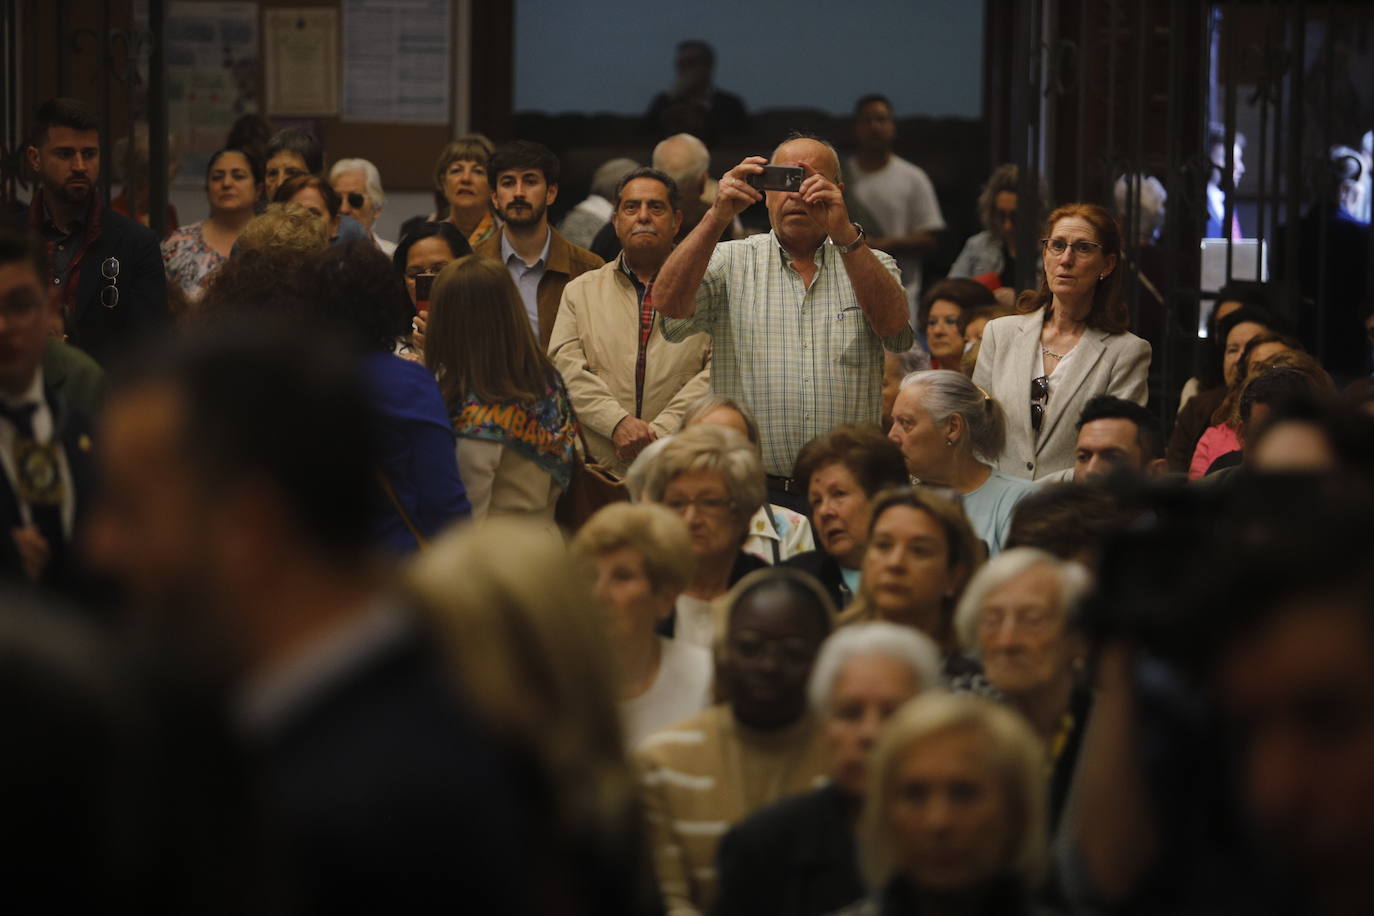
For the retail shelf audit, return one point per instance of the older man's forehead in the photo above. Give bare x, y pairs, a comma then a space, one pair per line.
813, 152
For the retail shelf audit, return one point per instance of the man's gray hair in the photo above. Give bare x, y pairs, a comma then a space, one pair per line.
711, 402
902, 644
1074, 584
607, 176
805, 135
684, 158
944, 393
372, 179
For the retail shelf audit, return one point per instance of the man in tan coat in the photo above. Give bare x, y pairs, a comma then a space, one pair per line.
629, 385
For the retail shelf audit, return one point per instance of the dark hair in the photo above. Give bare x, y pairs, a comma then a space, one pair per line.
1149, 435
300, 141
250, 131
1274, 387
351, 288
1250, 311
254, 163
21, 246
62, 112
427, 230
259, 406
523, 154
1108, 312
870, 98
699, 45
963, 292
1067, 519
293, 186
875, 460
644, 171
797, 583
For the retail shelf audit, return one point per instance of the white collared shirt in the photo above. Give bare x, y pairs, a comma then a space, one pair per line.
43, 428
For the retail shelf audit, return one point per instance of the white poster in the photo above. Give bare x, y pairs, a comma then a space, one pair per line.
396, 60
212, 78
302, 52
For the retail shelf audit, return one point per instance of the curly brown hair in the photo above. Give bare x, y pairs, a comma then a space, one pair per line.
875, 460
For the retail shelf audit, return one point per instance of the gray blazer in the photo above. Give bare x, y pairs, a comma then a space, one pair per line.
1103, 363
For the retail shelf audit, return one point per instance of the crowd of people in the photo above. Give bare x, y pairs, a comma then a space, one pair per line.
722, 574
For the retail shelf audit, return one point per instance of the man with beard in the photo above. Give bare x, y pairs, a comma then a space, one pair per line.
106, 268
524, 177
629, 385
242, 474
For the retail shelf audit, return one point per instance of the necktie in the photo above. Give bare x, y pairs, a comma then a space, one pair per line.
38, 478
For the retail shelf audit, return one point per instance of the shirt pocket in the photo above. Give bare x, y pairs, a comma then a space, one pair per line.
849, 338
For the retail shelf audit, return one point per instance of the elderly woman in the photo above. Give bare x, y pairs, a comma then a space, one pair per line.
460, 175
508, 404
951, 434
1069, 345
711, 771
799, 856
643, 558
529, 652
776, 533
839, 473
713, 479
193, 252
359, 186
954, 821
943, 315
1017, 617
921, 552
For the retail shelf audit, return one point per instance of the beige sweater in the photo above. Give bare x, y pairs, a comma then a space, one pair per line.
703, 776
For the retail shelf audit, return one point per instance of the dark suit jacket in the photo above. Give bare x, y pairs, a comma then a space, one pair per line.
826, 569
389, 797
795, 857
72, 428
103, 332
566, 261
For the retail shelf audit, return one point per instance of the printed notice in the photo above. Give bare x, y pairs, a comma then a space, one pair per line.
302, 60
212, 78
396, 59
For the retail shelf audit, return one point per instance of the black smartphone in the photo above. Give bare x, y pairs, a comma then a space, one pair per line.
424, 283
778, 178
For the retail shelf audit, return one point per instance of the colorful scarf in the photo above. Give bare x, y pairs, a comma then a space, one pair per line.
543, 431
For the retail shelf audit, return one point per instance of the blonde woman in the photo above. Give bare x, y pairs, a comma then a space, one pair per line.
530, 653
955, 815
643, 560
509, 406
460, 176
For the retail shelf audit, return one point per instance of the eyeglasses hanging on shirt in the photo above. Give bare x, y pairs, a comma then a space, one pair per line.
109, 293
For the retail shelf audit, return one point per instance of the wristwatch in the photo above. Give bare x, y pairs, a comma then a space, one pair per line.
846, 249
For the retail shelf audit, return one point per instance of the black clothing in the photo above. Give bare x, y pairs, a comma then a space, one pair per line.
796, 857
826, 569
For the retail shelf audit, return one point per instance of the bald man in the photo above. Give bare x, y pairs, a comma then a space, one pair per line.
799, 318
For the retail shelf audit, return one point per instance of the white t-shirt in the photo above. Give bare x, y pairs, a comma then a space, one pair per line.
696, 622
902, 199
681, 689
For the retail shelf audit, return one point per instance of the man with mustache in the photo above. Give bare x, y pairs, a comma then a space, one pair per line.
799, 318
105, 267
524, 177
628, 385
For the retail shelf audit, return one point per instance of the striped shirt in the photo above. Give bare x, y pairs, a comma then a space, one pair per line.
803, 361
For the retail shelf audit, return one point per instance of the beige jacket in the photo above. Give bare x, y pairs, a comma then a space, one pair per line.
595, 343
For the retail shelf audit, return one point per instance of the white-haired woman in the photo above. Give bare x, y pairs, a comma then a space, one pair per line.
359, 186
799, 856
643, 558
951, 434
713, 479
954, 821
1017, 616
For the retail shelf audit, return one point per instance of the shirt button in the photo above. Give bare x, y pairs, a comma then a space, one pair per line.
1029, 466
57, 281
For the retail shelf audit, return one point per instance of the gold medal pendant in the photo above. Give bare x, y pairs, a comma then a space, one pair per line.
40, 479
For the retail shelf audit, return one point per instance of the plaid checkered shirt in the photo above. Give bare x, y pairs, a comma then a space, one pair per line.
802, 360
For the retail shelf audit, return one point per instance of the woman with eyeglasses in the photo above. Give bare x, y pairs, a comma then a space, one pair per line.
1069, 344
713, 479
193, 252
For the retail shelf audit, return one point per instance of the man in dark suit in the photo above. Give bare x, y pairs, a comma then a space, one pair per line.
106, 267
241, 471
45, 444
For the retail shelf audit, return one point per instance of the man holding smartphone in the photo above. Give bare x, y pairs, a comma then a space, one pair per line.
799, 318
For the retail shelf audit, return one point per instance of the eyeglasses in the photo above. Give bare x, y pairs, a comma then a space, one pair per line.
355, 200
109, 295
1040, 396
420, 269
1083, 248
706, 505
